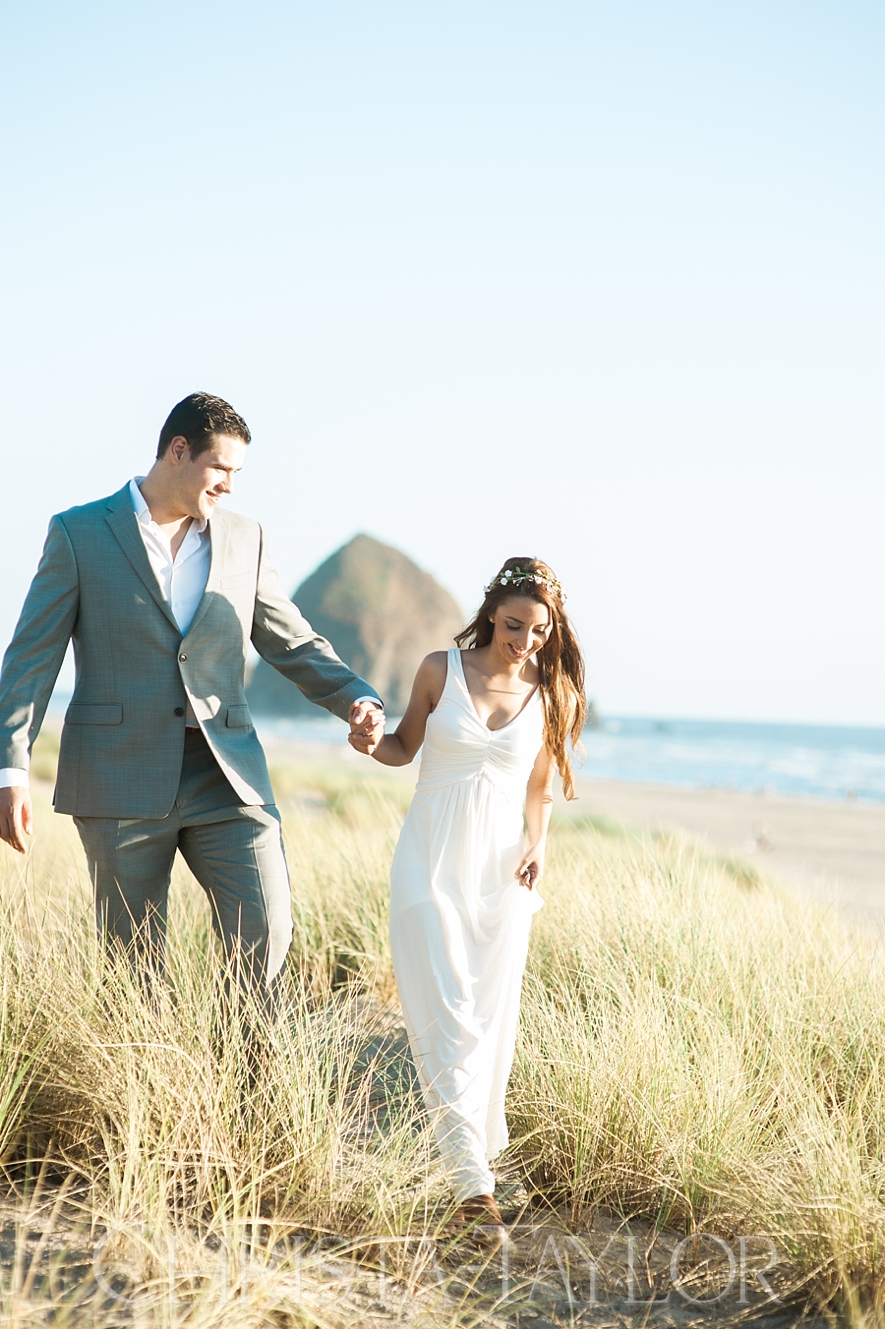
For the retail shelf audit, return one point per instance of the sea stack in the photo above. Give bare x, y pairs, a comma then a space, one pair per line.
382, 615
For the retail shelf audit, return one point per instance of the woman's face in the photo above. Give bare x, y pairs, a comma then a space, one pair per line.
521, 627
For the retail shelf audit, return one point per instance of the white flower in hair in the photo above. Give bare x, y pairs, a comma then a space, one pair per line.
516, 576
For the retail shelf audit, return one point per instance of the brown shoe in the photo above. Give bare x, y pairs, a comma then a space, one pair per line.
479, 1218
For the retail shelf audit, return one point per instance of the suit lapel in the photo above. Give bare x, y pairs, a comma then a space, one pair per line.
218, 535
123, 522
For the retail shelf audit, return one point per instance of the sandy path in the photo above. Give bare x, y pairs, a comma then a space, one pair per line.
833, 852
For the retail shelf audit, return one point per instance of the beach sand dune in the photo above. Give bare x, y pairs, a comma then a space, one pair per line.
832, 852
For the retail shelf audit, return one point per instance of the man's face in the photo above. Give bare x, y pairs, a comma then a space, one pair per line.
202, 480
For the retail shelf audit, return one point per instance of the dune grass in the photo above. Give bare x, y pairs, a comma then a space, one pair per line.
694, 1051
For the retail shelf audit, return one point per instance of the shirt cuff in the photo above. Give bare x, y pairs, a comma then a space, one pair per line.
374, 701
12, 777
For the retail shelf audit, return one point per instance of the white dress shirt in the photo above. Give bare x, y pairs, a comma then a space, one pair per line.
182, 576
182, 579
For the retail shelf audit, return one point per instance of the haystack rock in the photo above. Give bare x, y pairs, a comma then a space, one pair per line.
382, 615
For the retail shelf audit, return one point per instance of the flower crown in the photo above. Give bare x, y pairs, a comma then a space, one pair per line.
516, 577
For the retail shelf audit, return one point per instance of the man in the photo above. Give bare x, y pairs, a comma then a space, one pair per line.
162, 592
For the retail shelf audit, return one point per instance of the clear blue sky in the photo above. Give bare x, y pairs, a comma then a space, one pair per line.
597, 282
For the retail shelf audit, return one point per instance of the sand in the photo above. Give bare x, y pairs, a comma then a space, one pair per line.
833, 852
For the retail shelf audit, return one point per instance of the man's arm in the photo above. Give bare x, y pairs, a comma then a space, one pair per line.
285, 639
30, 668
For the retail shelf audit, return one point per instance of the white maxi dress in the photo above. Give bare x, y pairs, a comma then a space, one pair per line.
459, 922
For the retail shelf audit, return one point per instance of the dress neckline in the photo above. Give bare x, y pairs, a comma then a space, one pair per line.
462, 679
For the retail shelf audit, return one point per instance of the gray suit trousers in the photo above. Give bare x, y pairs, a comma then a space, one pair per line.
234, 851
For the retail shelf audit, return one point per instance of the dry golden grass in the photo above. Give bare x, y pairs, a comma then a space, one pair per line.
701, 1054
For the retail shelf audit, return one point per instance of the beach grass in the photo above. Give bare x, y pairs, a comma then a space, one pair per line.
699, 1054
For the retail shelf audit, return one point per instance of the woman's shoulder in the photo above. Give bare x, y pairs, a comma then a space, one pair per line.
437, 662
431, 675
429, 681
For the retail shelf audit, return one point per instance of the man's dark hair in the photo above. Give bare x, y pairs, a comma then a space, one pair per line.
198, 418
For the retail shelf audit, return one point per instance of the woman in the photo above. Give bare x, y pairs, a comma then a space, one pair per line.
495, 720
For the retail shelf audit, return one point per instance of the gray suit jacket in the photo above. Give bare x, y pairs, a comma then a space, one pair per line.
123, 738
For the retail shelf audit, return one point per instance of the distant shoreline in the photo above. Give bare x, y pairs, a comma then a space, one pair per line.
831, 851
827, 763
828, 850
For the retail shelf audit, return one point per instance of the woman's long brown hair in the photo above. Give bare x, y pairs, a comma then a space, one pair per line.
560, 661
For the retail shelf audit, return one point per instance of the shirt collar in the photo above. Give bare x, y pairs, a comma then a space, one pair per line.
143, 512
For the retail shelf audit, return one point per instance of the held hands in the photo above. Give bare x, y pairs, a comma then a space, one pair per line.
366, 726
531, 866
16, 818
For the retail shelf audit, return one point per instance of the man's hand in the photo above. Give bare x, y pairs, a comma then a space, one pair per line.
16, 818
366, 726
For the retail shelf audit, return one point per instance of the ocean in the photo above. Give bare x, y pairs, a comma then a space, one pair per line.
818, 761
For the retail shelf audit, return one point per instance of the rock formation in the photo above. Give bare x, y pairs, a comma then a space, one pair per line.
382, 615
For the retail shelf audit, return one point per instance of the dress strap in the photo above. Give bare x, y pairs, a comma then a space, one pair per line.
459, 679
454, 673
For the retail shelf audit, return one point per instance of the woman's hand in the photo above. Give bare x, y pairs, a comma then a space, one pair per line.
366, 721
531, 866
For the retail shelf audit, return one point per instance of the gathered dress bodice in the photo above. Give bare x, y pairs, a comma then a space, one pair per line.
458, 745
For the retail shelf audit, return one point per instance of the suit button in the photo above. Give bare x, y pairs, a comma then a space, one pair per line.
179, 710
182, 658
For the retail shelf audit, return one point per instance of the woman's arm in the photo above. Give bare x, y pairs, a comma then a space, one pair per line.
538, 807
399, 748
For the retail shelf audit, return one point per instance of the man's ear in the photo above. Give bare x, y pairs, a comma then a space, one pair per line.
179, 450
